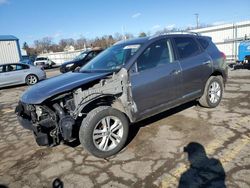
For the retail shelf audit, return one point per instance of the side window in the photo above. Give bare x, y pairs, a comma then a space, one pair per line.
158, 53
90, 56
186, 47
10, 68
204, 43
1, 68
21, 67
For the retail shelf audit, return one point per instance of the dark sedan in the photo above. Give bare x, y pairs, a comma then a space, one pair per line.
80, 60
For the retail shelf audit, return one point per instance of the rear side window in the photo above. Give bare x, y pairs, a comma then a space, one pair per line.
21, 67
186, 47
1, 69
204, 43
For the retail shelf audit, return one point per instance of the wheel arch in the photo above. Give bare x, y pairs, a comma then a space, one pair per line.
215, 73
111, 101
219, 73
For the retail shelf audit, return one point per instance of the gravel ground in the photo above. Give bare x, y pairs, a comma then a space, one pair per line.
154, 156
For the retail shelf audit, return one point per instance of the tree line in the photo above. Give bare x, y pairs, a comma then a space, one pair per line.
47, 44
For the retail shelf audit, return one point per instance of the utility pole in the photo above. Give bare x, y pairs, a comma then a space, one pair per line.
123, 33
197, 20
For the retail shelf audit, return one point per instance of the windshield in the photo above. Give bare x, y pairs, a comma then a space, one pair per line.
81, 55
111, 59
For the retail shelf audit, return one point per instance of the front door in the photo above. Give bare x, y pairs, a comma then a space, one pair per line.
156, 79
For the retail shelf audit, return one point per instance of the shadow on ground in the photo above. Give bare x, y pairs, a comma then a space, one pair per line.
134, 129
203, 171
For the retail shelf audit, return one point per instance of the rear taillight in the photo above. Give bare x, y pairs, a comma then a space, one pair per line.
223, 55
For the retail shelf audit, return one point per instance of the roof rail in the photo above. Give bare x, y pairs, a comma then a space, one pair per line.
175, 32
183, 32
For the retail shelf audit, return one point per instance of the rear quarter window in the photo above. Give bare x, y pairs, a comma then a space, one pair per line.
203, 42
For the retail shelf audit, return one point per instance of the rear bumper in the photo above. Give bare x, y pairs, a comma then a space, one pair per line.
43, 76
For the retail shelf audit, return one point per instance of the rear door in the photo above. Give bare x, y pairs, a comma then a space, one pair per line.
15, 73
155, 78
195, 63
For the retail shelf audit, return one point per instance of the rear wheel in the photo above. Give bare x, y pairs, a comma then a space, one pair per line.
31, 79
104, 131
213, 92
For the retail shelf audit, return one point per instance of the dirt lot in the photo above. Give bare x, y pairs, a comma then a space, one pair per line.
154, 156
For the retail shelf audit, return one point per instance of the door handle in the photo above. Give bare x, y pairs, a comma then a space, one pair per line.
206, 62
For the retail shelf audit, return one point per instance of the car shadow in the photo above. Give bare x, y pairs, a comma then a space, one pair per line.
13, 87
134, 128
3, 186
203, 171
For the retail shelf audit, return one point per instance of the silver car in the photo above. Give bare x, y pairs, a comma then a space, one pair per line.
19, 73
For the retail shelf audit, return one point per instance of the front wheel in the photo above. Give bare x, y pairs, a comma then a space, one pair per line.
31, 79
212, 93
104, 131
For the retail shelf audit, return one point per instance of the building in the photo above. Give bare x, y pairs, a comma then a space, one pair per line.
227, 37
9, 49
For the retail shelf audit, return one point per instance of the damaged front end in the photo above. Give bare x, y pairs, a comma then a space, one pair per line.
59, 118
49, 125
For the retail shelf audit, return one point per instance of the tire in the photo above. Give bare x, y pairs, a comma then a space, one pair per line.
31, 79
103, 144
213, 92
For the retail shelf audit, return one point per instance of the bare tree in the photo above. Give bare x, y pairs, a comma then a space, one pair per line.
142, 34
81, 43
66, 42
43, 45
118, 36
129, 36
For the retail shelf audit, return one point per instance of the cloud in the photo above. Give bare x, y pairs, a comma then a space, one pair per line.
171, 26
156, 27
136, 15
4, 2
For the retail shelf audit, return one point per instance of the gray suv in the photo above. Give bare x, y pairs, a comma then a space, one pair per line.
128, 82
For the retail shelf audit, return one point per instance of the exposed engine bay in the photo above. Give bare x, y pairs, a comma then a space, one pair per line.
59, 118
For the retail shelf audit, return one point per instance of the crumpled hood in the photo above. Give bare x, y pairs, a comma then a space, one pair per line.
45, 89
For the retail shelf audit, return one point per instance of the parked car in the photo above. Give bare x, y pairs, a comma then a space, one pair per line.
128, 82
80, 60
44, 62
19, 73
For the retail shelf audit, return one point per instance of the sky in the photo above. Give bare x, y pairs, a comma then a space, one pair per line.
31, 20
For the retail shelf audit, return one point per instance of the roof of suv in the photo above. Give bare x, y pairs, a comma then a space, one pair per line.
142, 40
